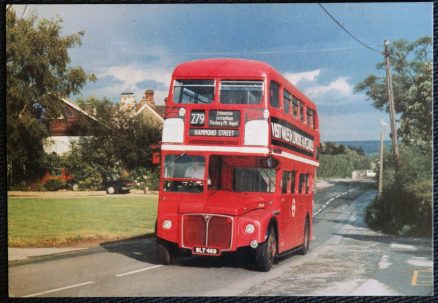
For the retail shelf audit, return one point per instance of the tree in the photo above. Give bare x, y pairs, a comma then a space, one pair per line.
121, 141
412, 87
37, 72
405, 206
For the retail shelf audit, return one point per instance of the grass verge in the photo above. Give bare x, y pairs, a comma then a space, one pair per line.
57, 222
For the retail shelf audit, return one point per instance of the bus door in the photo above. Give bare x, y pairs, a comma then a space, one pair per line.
287, 234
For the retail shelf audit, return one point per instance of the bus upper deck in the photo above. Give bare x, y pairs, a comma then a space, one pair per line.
242, 106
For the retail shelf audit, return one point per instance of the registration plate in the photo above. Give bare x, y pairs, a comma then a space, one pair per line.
206, 251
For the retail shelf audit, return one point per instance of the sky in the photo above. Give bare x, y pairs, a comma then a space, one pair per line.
134, 47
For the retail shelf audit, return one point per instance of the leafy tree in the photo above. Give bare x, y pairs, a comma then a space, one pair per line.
37, 71
120, 141
412, 88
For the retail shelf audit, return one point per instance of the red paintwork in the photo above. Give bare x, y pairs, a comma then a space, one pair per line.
60, 175
260, 209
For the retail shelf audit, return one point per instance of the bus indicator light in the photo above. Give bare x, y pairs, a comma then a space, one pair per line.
182, 112
167, 224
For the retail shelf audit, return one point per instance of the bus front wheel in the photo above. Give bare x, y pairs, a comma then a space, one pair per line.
266, 252
164, 255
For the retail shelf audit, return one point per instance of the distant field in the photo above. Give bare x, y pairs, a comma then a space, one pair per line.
50, 222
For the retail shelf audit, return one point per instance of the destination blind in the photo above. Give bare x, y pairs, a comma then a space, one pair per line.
287, 135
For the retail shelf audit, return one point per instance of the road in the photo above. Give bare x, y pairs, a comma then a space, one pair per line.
345, 258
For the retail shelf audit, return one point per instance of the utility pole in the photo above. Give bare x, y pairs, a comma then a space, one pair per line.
395, 151
380, 186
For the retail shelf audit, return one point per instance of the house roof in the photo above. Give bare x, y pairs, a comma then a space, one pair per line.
161, 110
145, 106
74, 106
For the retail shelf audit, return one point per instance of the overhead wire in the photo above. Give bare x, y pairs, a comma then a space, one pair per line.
346, 30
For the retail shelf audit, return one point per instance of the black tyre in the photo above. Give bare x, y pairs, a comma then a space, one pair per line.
266, 253
306, 237
164, 255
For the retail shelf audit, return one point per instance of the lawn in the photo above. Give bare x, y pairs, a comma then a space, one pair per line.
50, 222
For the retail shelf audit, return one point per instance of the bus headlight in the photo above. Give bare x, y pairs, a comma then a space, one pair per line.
249, 228
167, 224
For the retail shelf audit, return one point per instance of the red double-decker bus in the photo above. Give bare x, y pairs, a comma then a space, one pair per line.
239, 152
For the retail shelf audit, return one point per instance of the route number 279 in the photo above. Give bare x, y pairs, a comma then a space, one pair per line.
197, 118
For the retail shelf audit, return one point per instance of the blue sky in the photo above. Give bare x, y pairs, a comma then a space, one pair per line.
135, 47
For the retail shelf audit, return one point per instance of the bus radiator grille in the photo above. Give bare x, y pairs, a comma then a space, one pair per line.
207, 231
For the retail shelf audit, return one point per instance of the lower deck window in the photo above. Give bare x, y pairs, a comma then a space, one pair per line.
249, 179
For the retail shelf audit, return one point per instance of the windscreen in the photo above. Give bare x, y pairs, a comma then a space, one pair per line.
187, 169
241, 92
193, 91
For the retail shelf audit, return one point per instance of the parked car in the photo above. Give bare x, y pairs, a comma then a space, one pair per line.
370, 173
114, 184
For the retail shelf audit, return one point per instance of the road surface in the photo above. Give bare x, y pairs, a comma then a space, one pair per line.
345, 258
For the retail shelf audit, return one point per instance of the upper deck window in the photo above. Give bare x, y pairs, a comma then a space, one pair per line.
310, 119
274, 92
241, 92
287, 100
302, 112
295, 110
193, 91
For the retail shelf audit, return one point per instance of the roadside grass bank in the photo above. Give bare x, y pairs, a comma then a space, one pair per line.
58, 222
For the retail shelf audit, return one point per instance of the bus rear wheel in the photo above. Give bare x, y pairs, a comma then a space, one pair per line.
164, 254
266, 253
306, 238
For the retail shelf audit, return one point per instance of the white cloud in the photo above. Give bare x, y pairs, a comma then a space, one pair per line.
132, 74
294, 78
340, 90
339, 86
130, 77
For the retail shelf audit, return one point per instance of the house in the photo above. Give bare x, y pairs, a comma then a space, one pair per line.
148, 109
70, 126
67, 128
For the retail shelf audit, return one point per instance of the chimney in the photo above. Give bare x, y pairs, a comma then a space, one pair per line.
149, 97
127, 101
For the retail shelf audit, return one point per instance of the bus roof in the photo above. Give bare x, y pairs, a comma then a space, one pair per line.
238, 68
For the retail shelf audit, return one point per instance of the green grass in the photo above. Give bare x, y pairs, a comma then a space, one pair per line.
50, 222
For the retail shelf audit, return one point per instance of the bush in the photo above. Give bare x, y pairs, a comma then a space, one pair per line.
405, 206
144, 177
341, 165
54, 184
92, 181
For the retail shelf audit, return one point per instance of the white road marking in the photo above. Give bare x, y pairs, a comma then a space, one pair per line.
138, 270
331, 199
383, 264
420, 261
58, 289
403, 246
